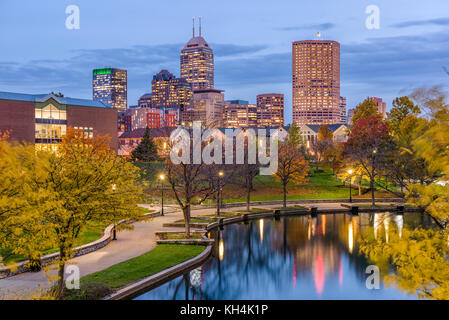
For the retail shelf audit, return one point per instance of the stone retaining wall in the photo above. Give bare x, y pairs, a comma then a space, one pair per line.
6, 272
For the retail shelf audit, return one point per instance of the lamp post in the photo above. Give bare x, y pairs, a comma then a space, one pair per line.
162, 177
350, 185
220, 174
114, 230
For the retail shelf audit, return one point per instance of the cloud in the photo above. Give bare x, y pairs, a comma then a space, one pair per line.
318, 27
414, 23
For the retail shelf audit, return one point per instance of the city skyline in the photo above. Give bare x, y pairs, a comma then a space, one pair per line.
254, 60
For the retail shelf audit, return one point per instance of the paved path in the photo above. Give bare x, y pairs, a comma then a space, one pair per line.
129, 244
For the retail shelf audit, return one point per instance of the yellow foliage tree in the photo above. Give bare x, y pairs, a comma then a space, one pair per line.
83, 181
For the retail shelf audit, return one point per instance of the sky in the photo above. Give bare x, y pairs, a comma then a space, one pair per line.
251, 41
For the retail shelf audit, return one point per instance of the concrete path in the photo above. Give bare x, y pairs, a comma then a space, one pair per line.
129, 244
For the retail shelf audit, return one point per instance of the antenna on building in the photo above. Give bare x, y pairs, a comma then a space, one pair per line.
200, 26
193, 26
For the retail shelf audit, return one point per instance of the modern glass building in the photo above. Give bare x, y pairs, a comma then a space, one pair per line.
197, 63
316, 82
110, 87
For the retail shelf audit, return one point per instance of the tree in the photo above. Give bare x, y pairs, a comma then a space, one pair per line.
370, 146
323, 145
83, 181
365, 109
146, 150
402, 107
432, 146
420, 259
292, 167
294, 135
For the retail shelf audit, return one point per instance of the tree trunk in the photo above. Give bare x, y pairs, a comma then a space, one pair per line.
61, 267
248, 197
186, 212
373, 201
285, 194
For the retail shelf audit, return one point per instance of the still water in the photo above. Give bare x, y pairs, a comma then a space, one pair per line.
290, 258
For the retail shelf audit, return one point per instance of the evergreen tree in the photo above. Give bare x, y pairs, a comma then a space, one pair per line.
146, 150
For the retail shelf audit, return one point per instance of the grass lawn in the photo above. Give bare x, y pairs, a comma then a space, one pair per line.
253, 210
162, 257
321, 185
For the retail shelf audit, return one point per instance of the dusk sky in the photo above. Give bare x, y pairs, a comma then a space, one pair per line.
251, 42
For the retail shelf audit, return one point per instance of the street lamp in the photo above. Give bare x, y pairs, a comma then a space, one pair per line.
162, 177
350, 185
220, 174
114, 230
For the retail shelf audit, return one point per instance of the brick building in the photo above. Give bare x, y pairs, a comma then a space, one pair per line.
42, 119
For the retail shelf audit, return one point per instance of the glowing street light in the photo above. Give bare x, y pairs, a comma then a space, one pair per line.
220, 175
350, 184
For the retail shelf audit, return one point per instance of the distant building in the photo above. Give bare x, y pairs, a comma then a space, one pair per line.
197, 63
270, 110
172, 94
343, 117
110, 87
43, 119
129, 140
309, 133
239, 115
381, 106
207, 107
350, 115
145, 101
238, 101
316, 82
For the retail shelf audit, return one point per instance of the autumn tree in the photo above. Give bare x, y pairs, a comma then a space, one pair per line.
83, 181
370, 145
365, 109
432, 146
292, 168
402, 107
146, 150
323, 145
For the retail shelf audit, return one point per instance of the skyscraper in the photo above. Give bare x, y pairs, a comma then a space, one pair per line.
316, 82
197, 62
239, 114
110, 87
270, 110
172, 94
381, 106
207, 107
343, 110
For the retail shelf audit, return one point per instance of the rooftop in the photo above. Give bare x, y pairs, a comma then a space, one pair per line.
44, 97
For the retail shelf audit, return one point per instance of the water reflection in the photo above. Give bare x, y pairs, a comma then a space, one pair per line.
289, 258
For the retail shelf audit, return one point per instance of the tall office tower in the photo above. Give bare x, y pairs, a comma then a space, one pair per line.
343, 117
381, 106
270, 110
110, 87
316, 82
207, 107
173, 94
239, 114
197, 62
